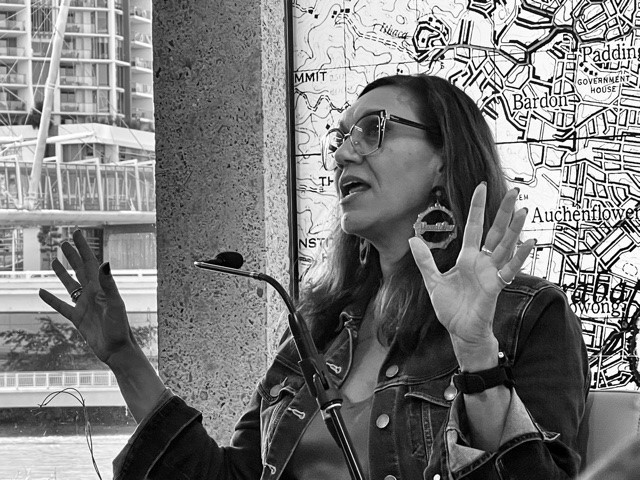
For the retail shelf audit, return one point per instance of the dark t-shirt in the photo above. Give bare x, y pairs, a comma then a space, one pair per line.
319, 456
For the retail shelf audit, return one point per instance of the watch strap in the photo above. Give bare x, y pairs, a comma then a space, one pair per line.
477, 382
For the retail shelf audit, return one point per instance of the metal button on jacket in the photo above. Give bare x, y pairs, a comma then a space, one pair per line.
392, 371
390, 477
275, 390
450, 393
382, 421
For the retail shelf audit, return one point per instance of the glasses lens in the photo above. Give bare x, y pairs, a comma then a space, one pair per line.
332, 141
366, 134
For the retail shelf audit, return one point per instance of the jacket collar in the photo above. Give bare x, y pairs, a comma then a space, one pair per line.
352, 315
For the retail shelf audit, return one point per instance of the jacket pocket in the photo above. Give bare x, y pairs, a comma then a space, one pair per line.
428, 405
276, 395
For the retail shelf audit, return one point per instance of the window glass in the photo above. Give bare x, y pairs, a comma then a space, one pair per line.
40, 72
100, 48
102, 22
103, 74
97, 166
121, 76
119, 19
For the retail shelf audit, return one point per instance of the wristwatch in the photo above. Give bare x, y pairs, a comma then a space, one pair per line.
477, 382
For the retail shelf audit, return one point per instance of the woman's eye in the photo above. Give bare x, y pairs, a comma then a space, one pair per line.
369, 128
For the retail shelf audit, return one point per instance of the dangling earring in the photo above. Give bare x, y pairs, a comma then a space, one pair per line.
364, 249
436, 225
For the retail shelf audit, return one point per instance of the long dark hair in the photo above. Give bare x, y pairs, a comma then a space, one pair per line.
457, 129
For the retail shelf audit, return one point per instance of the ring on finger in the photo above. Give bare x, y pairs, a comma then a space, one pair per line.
486, 251
504, 282
75, 294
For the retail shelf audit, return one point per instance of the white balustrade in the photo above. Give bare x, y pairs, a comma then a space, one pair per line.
44, 381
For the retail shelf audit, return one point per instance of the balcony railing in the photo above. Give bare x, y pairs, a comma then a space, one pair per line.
18, 78
11, 51
75, 53
142, 37
142, 88
89, 3
139, 12
6, 24
39, 49
80, 107
80, 28
11, 105
142, 63
57, 380
126, 277
142, 115
84, 185
79, 81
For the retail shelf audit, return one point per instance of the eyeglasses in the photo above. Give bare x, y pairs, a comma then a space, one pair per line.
366, 136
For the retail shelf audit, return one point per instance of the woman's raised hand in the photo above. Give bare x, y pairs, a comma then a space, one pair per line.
99, 312
464, 298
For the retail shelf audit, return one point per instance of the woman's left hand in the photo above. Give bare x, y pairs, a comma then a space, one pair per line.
465, 297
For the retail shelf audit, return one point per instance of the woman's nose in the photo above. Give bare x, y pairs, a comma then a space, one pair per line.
346, 153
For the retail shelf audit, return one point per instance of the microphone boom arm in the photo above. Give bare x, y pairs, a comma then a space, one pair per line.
313, 366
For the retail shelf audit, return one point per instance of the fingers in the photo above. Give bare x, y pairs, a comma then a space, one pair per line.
503, 252
509, 271
424, 260
83, 248
503, 236
58, 305
506, 257
82, 259
475, 220
72, 256
67, 280
502, 219
107, 282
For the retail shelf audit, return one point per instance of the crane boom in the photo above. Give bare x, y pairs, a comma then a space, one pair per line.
31, 199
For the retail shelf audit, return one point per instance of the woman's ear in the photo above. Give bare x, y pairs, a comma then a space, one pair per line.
438, 179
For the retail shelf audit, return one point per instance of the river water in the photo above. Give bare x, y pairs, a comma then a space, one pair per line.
58, 458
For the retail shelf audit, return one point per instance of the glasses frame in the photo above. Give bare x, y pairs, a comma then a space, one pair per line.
383, 117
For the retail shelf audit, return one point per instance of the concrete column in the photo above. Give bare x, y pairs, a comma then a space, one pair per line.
221, 185
31, 248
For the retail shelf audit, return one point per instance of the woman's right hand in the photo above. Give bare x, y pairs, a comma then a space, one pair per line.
99, 313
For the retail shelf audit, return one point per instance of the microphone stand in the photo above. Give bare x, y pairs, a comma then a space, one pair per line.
313, 366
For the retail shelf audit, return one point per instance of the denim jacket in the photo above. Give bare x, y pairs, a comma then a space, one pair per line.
415, 432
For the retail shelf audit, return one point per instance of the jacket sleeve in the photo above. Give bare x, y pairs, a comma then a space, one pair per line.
552, 380
172, 443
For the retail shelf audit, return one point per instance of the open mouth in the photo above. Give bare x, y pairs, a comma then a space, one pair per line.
351, 186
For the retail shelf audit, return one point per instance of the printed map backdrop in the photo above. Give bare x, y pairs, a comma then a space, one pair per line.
559, 83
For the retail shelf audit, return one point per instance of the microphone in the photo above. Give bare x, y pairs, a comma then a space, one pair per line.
312, 364
227, 259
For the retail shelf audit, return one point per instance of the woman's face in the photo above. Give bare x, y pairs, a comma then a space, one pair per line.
381, 194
